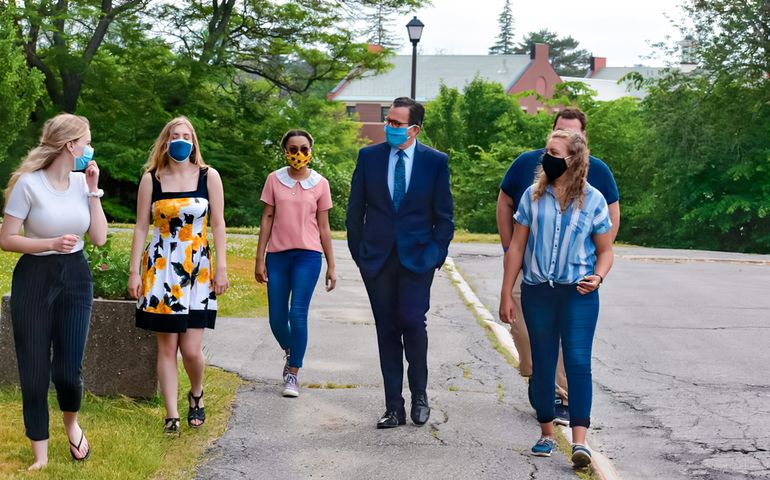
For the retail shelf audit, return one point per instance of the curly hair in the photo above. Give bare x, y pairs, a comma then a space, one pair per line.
574, 179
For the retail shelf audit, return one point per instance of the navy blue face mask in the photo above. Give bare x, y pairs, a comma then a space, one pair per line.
180, 149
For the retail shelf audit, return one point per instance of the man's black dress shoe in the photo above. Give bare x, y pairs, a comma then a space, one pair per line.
420, 409
392, 418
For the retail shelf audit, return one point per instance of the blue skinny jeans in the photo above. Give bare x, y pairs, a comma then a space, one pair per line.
560, 314
292, 276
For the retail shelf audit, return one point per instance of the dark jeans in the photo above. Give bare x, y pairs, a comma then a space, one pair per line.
51, 299
400, 299
554, 314
292, 276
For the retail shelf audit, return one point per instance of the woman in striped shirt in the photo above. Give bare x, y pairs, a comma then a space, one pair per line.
562, 242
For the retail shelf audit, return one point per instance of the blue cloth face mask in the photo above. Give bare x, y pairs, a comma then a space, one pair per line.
180, 149
81, 162
396, 135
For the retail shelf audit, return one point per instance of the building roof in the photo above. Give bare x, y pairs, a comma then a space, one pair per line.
616, 73
432, 70
607, 90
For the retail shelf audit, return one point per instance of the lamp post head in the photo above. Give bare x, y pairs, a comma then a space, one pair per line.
415, 30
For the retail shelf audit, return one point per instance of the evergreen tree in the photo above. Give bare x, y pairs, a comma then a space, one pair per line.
567, 59
504, 44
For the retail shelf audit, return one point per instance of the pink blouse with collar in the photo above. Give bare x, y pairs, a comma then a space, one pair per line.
296, 203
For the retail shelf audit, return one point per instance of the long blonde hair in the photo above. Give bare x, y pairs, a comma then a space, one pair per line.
57, 132
159, 159
575, 177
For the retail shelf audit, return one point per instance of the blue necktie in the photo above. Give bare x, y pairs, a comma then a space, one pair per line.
399, 180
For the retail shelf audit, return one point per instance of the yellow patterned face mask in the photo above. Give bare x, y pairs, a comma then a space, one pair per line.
299, 159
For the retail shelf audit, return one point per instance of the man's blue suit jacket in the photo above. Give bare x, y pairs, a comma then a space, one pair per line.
422, 227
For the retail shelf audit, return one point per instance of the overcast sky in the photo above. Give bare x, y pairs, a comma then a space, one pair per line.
620, 30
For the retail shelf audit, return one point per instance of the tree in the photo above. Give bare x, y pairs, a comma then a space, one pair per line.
731, 37
292, 45
378, 19
567, 59
705, 147
483, 129
504, 44
243, 71
61, 39
20, 87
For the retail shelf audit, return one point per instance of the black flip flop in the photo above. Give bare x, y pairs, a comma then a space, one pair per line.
77, 448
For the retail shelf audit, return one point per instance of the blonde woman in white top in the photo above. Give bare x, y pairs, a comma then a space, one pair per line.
52, 290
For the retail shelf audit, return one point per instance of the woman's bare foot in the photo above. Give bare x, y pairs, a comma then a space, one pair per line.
40, 452
38, 465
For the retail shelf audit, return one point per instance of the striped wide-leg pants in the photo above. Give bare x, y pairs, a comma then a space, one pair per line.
51, 298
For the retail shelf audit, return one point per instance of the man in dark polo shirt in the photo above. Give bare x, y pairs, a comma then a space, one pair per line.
518, 178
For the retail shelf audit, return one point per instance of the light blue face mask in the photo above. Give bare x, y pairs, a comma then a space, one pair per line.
396, 136
81, 162
180, 149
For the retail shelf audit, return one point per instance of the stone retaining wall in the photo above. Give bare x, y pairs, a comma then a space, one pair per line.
120, 358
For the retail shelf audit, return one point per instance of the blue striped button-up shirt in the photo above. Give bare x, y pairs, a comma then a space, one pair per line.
560, 248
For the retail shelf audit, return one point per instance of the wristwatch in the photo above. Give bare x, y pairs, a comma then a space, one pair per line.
98, 194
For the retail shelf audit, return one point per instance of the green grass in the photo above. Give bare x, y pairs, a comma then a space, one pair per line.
126, 436
464, 236
332, 385
7, 264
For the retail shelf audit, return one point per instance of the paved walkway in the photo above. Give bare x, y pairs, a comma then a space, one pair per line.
481, 425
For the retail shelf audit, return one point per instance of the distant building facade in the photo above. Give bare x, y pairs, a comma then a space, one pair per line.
370, 96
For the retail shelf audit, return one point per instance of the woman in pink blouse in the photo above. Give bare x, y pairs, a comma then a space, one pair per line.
294, 231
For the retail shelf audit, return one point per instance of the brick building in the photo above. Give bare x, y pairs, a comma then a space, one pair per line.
370, 96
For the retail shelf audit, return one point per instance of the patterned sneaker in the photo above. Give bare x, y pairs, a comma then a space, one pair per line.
562, 413
543, 447
291, 387
285, 367
581, 456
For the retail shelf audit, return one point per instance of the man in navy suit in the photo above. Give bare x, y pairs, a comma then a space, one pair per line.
400, 223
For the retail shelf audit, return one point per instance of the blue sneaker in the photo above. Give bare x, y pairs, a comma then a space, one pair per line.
543, 447
562, 413
581, 456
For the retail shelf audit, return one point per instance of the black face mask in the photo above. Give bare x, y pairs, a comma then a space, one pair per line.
554, 167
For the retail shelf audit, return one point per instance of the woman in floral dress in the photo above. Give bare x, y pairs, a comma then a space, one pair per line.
173, 278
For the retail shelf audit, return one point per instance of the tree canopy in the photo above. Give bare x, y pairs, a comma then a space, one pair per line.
567, 59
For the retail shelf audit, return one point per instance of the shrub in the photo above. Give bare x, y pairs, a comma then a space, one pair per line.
109, 269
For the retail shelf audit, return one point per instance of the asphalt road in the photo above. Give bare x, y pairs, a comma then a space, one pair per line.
680, 360
481, 426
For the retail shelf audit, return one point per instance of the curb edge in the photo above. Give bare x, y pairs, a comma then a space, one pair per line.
600, 463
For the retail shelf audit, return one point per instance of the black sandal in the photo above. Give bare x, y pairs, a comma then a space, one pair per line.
77, 448
171, 427
195, 412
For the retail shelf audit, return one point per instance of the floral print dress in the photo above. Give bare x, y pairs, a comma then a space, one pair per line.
177, 290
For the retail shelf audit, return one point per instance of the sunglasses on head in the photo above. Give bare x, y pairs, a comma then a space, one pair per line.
293, 149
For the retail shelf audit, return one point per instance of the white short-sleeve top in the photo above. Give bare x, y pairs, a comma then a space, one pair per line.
50, 213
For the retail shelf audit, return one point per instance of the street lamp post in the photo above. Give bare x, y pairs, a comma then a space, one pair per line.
414, 27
